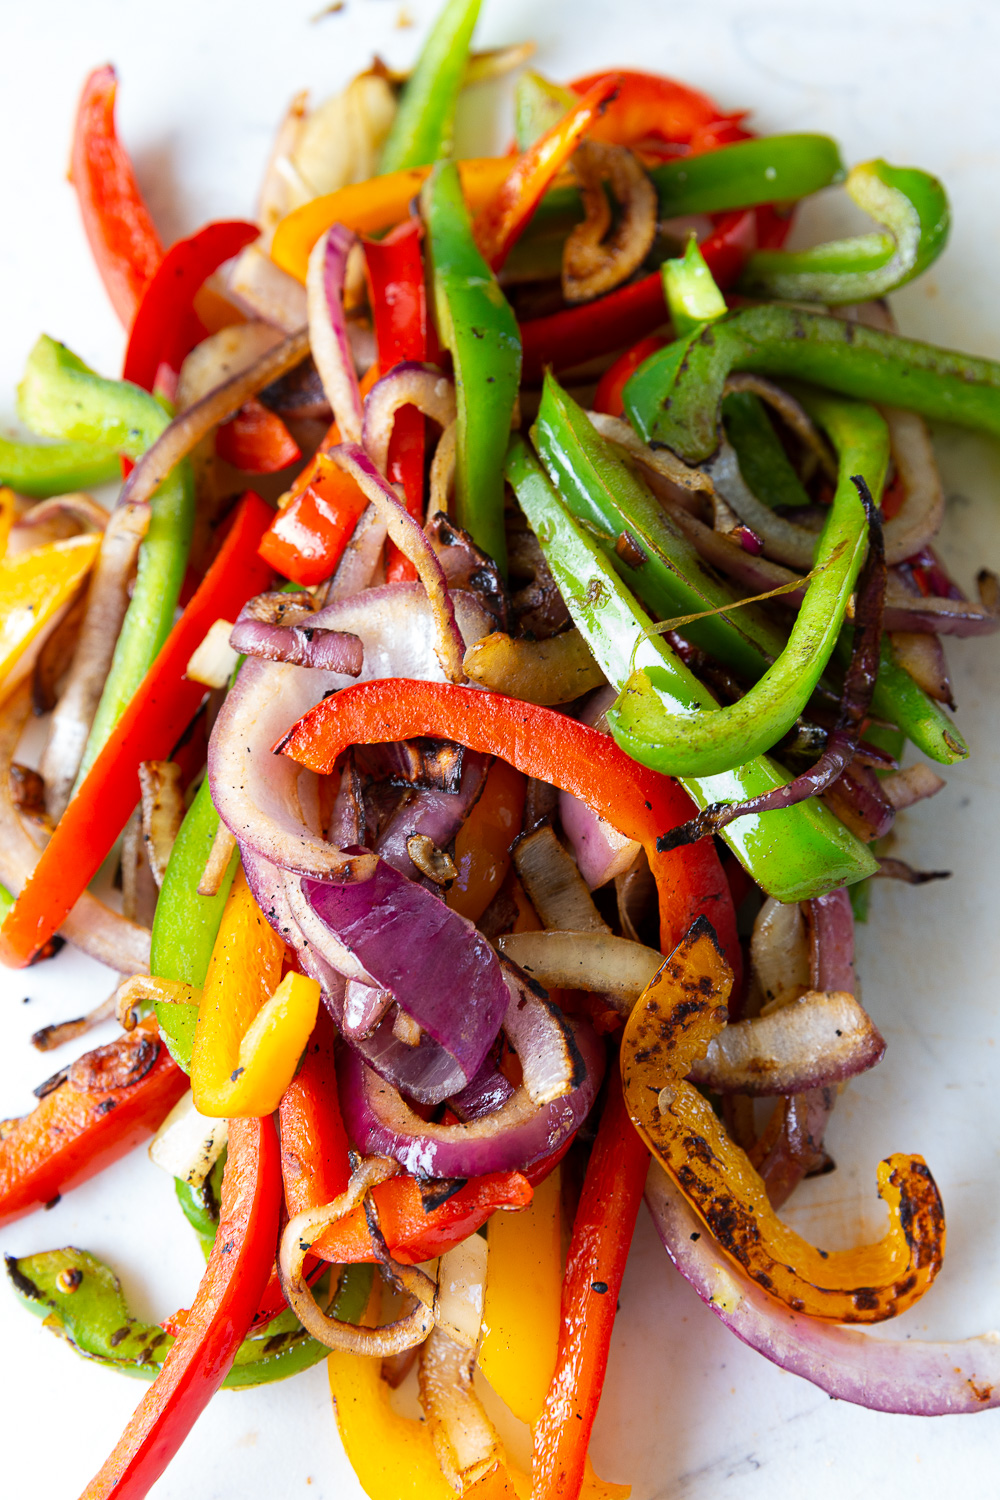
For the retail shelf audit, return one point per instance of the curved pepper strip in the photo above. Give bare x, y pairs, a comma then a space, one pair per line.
81, 1299
482, 844
650, 730
217, 1324
108, 1101
763, 462
692, 295
61, 397
251, 1028
117, 222
537, 742
805, 855
421, 131
149, 728
742, 174
44, 469
678, 1014
476, 322
913, 207
649, 106
35, 586
256, 440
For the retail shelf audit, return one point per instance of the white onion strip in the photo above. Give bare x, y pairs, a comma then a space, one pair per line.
406, 384
464, 1438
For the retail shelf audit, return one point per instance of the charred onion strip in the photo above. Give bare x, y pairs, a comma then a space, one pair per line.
594, 260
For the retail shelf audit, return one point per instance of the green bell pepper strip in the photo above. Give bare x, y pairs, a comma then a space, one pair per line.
793, 854
654, 558
692, 296
716, 741
763, 461
899, 699
81, 1299
913, 207
61, 397
475, 321
41, 470
674, 397
767, 169
196, 1203
421, 131
538, 105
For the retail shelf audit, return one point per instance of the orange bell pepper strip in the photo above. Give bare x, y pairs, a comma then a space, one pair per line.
151, 725
681, 1010
640, 803
648, 106
251, 1029
482, 844
369, 207
219, 1320
257, 440
108, 1101
117, 222
314, 1164
35, 586
501, 223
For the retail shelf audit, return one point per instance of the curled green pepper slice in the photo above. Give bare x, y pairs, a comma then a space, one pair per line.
421, 131
913, 207
763, 462
44, 469
690, 291
768, 169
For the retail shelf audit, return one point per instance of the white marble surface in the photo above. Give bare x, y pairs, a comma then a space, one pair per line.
688, 1411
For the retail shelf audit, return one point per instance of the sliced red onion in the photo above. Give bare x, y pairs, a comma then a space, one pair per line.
438, 968
821, 1038
601, 852
411, 541
487, 1093
406, 384
467, 566
255, 790
303, 645
347, 820
364, 1007
438, 815
361, 558
908, 1376
858, 800
904, 788
859, 684
380, 1122
331, 348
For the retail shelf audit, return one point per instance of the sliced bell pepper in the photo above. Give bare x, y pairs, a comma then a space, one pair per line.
166, 326
185, 924
608, 396
44, 469
649, 106
117, 222
34, 586
104, 1104
678, 1014
763, 462
217, 1324
913, 207
595, 1265
398, 298
314, 1164
251, 1028
804, 856
257, 440
148, 729
61, 397
692, 296
421, 130
306, 539
475, 321
537, 742
520, 1332
742, 174
499, 224
482, 844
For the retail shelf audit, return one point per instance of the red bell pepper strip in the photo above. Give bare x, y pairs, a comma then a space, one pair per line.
110, 1100
314, 1164
257, 440
154, 720
500, 224
117, 222
399, 302
598, 1250
648, 106
608, 396
539, 742
305, 541
219, 1320
482, 844
166, 326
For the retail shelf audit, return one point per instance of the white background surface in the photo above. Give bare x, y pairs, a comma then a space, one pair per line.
688, 1412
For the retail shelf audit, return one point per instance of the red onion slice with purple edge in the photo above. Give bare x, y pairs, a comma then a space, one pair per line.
328, 338
407, 384
907, 1376
301, 645
436, 814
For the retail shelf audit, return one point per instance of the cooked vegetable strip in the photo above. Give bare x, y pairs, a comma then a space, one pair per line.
421, 130
41, 470
61, 397
692, 296
152, 723
482, 844
913, 207
219, 1319
35, 588
775, 168
682, 1009
122, 236
186, 923
792, 854
476, 323
763, 462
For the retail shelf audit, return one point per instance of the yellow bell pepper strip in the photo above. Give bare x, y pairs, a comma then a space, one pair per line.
482, 844
44, 469
421, 131
520, 1337
373, 206
251, 1029
676, 1017
477, 324
502, 221
34, 587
